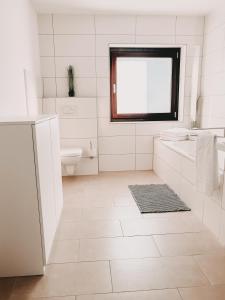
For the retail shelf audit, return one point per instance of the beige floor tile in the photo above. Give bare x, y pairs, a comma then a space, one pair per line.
6, 286
87, 201
156, 273
117, 248
111, 213
213, 266
71, 214
168, 294
27, 297
203, 293
126, 200
160, 226
64, 251
67, 279
187, 244
89, 229
167, 215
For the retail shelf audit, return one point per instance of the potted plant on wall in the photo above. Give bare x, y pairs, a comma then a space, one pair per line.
71, 92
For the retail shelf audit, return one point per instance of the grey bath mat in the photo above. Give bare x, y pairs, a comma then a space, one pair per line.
156, 198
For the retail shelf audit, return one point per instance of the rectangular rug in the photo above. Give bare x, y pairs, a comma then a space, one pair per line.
157, 198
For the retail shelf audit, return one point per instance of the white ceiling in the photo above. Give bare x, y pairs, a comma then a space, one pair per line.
182, 7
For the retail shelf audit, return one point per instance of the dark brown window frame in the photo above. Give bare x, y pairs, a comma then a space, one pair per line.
170, 52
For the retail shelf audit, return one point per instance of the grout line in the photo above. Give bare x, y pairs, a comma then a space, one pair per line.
96, 88
121, 228
118, 293
53, 35
110, 270
115, 35
157, 246
127, 236
194, 257
178, 290
135, 30
78, 250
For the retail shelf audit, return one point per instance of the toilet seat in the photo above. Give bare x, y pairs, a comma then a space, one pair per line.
71, 152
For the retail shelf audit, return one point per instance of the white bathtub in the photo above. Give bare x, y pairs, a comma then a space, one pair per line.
186, 148
174, 163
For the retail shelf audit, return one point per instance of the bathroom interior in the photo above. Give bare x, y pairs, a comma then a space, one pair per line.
112, 157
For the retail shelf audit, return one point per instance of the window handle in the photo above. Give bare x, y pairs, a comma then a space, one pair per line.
114, 88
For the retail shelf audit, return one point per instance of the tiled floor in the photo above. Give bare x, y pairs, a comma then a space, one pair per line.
106, 250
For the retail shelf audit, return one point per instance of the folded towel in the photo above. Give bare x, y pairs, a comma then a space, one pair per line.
207, 180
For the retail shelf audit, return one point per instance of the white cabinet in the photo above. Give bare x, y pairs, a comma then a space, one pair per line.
30, 193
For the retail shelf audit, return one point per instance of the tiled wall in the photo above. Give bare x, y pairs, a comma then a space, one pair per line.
83, 42
212, 108
212, 104
19, 59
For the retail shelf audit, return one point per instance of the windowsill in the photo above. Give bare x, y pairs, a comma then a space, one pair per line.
145, 122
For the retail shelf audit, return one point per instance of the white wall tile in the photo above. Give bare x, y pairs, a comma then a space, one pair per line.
153, 128
46, 45
212, 216
102, 67
222, 228
115, 24
144, 144
117, 162
190, 25
83, 66
155, 39
157, 25
84, 87
103, 87
78, 128
85, 144
188, 170
103, 107
49, 106
73, 24
105, 128
189, 65
76, 107
117, 145
191, 42
74, 45
190, 196
144, 161
103, 41
215, 40
49, 87
187, 87
45, 24
47, 67
87, 166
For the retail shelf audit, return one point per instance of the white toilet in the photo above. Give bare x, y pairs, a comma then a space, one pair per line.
70, 158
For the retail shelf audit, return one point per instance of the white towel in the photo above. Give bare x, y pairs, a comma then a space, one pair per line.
207, 164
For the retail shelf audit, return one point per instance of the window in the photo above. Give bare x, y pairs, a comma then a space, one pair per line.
144, 83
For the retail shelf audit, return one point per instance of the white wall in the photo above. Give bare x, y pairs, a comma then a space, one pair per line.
212, 108
212, 104
83, 42
19, 50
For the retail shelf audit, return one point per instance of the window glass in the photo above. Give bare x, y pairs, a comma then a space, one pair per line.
143, 85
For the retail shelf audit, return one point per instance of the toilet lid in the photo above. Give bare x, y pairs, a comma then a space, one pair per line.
71, 152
